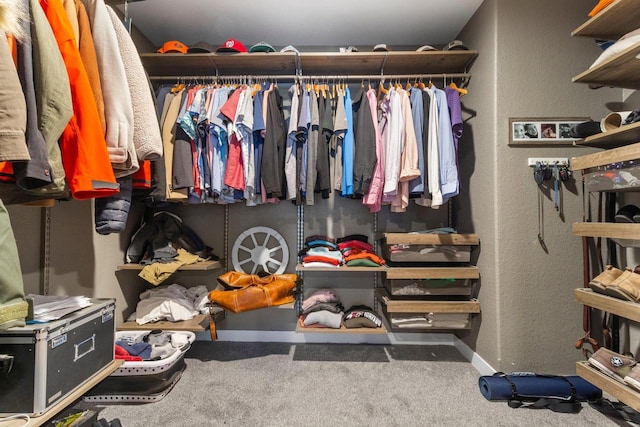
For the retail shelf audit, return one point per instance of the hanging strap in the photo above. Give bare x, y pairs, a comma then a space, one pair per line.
587, 339
556, 188
567, 404
212, 324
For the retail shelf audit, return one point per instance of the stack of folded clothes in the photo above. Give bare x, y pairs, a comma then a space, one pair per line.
320, 251
361, 316
322, 309
358, 252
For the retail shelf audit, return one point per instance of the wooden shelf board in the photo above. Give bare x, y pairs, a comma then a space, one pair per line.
624, 135
429, 239
397, 62
611, 23
199, 266
210, 64
609, 230
342, 330
313, 63
68, 400
466, 272
626, 309
606, 157
426, 306
621, 70
620, 391
198, 324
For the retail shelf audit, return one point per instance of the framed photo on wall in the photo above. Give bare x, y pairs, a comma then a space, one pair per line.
543, 131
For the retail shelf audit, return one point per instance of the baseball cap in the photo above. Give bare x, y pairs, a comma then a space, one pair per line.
232, 45
289, 48
381, 48
455, 45
201, 47
425, 48
262, 47
173, 46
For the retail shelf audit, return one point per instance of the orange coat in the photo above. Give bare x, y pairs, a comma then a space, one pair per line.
89, 59
84, 150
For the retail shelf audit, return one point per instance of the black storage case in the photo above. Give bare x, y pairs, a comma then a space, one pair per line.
52, 359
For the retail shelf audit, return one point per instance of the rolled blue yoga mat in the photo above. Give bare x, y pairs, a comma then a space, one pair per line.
533, 386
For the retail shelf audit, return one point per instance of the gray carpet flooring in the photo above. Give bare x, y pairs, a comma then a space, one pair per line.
274, 384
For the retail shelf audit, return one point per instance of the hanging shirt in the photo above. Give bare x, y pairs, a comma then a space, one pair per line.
455, 111
244, 126
290, 153
339, 130
302, 136
434, 196
417, 111
374, 195
348, 147
234, 173
273, 154
218, 141
182, 166
364, 161
312, 149
323, 184
258, 137
409, 158
448, 168
393, 149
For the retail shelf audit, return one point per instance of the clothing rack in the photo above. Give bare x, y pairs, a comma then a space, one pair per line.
292, 77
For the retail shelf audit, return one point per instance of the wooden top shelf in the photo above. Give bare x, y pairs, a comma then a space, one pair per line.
312, 63
619, 137
199, 266
626, 309
611, 23
621, 70
607, 157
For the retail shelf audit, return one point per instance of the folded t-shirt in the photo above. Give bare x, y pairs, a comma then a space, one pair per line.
334, 307
321, 295
361, 316
324, 317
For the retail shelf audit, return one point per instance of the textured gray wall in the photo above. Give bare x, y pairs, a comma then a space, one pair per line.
527, 59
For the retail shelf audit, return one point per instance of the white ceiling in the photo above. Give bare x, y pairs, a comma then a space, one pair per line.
302, 22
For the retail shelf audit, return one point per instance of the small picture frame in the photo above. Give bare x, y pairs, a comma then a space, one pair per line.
528, 131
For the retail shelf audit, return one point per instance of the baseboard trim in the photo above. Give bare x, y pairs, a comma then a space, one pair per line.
474, 358
293, 337
319, 337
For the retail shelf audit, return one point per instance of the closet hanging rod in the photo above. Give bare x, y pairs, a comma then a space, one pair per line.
293, 77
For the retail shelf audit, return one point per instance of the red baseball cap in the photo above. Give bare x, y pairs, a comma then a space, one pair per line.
232, 45
173, 46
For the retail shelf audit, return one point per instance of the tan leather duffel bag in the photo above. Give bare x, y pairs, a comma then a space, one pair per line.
246, 292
